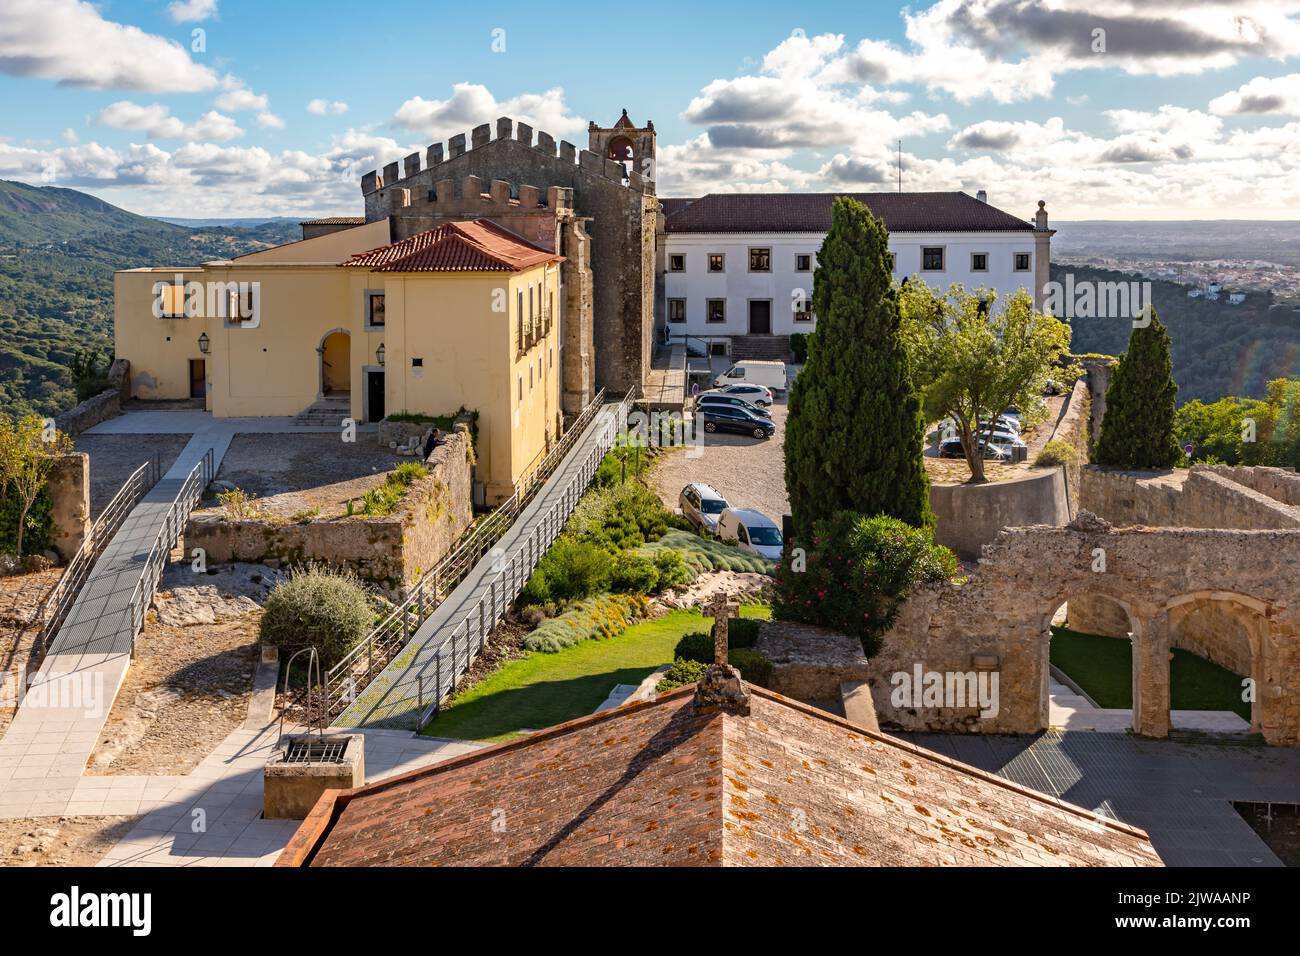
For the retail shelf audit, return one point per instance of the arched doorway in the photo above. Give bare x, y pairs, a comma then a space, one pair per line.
1089, 678
335, 352
1220, 643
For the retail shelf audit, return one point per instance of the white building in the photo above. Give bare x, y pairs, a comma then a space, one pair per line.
739, 266
1236, 298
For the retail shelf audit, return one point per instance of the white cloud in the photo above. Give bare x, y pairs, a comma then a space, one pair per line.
69, 42
1263, 94
325, 107
191, 11
156, 121
269, 120
70, 135
239, 97
471, 104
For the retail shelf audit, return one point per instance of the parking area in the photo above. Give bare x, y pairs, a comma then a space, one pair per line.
749, 472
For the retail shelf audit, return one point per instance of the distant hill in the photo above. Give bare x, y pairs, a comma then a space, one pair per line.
1275, 241
1218, 348
59, 249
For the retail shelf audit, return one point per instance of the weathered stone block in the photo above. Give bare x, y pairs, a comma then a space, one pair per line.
291, 789
456, 146
480, 136
505, 127
433, 155
810, 663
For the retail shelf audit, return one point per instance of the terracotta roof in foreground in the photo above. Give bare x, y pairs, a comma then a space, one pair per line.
660, 783
472, 246
811, 212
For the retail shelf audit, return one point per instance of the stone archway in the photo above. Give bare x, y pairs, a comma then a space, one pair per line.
334, 363
1232, 630
1125, 619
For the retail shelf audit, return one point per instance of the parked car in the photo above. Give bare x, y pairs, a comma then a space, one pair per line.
751, 531
951, 448
758, 394
702, 505
718, 398
733, 418
754, 372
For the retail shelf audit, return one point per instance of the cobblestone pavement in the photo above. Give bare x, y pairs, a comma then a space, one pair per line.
749, 472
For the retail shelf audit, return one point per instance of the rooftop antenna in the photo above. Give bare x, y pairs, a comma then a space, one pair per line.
900, 165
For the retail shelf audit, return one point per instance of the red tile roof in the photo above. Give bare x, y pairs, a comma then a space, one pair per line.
473, 246
662, 783
811, 212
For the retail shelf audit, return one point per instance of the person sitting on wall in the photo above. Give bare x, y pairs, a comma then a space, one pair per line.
432, 439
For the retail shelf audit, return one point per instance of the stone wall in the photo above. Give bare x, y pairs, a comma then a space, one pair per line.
1203, 497
69, 486
1002, 613
1072, 428
621, 208
391, 551
967, 517
1098, 380
1280, 484
107, 404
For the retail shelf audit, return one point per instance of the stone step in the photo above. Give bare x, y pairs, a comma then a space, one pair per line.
769, 347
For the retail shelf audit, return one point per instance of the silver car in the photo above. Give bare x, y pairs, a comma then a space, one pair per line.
702, 505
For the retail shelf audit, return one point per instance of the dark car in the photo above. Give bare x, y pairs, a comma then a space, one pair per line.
951, 448
717, 398
732, 418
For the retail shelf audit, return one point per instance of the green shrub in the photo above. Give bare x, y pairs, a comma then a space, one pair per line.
858, 572
601, 617
319, 606
753, 666
633, 574
696, 646
36, 537
680, 673
570, 570
1056, 452
672, 569
742, 631
706, 554
799, 346
619, 517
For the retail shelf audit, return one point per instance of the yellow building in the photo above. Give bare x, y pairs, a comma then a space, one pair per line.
461, 315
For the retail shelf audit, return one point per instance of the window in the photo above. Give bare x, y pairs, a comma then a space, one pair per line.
803, 263
804, 314
521, 388
172, 299
760, 260
716, 310
676, 310
417, 363
374, 310
932, 258
519, 310
1022, 262
717, 262
979, 262
677, 263
741, 534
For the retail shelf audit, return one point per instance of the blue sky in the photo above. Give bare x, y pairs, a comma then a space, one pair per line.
1187, 110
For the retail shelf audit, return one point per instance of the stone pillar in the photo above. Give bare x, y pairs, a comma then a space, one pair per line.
1042, 254
69, 485
576, 324
1151, 653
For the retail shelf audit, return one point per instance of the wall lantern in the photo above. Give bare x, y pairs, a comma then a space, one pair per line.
203, 343
379, 354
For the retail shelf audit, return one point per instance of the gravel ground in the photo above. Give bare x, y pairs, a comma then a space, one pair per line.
186, 691
21, 596
749, 472
60, 841
114, 457
294, 473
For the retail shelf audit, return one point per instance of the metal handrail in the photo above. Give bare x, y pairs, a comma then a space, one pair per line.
182, 506
374, 652
59, 601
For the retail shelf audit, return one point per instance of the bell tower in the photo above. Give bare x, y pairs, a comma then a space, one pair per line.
631, 145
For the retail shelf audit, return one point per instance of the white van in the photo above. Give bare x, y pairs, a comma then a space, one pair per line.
751, 531
754, 372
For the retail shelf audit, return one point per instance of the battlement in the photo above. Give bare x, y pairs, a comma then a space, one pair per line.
507, 130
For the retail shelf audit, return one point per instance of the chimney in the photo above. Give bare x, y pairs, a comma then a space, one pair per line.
982, 196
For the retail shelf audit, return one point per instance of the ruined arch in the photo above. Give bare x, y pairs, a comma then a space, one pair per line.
1123, 608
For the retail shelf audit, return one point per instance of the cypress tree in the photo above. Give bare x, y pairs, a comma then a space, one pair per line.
854, 435
1137, 430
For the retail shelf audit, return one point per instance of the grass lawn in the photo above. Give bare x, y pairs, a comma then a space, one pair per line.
544, 689
1102, 666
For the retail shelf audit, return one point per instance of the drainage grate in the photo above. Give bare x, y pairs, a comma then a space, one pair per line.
315, 751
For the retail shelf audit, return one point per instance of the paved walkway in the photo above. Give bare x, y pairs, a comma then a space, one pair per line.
1180, 793
213, 816
1068, 710
393, 698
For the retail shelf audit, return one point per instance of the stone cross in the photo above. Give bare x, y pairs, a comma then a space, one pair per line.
721, 609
